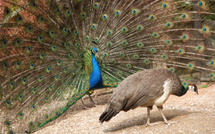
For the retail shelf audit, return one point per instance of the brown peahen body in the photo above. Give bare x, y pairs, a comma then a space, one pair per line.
52, 52
146, 88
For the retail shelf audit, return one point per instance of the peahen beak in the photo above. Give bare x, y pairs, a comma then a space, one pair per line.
196, 89
196, 92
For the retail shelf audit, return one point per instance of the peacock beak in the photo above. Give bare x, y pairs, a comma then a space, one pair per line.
97, 55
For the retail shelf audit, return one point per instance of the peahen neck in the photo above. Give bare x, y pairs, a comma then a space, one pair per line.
183, 90
95, 76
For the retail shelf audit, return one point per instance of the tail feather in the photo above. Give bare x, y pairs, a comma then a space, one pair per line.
108, 114
45, 51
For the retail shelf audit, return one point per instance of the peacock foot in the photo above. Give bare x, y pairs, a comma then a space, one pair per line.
84, 107
170, 123
94, 105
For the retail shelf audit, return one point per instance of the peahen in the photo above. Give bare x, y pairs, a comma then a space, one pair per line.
53, 51
146, 88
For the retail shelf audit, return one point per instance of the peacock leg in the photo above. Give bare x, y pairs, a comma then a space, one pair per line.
94, 104
84, 107
164, 118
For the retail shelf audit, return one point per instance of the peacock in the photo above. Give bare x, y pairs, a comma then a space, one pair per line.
145, 88
54, 52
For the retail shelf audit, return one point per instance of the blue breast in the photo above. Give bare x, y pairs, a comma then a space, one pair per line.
95, 76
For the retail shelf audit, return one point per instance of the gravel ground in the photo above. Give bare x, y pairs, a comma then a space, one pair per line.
191, 114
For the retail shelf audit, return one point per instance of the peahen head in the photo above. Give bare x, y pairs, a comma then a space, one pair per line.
193, 87
94, 50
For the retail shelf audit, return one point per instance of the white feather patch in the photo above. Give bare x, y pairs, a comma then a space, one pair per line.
191, 87
167, 90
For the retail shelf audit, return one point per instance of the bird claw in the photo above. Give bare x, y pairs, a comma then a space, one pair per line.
94, 105
148, 124
170, 123
151, 124
84, 107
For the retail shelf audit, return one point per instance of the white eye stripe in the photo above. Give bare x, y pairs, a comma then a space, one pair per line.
191, 87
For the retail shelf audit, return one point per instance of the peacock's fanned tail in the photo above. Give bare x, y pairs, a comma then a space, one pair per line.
45, 50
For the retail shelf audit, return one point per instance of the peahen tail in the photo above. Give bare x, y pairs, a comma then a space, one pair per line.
108, 114
46, 50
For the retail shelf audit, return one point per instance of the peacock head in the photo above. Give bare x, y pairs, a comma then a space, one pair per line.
193, 87
94, 50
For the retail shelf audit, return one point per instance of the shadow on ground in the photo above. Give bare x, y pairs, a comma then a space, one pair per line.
141, 120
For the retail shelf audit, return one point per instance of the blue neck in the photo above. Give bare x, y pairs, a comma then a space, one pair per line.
95, 76
184, 90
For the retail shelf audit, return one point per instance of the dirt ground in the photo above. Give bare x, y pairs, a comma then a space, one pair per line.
191, 114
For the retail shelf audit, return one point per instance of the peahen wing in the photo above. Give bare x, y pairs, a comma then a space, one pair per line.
44, 44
